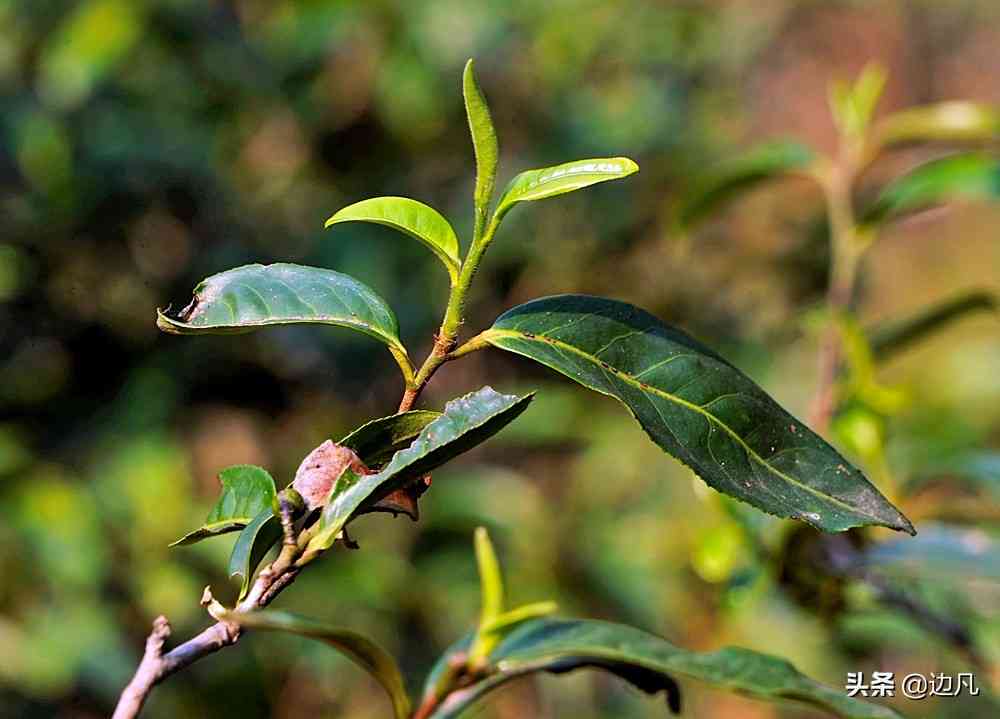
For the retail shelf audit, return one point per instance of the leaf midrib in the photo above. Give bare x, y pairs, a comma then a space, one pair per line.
642, 386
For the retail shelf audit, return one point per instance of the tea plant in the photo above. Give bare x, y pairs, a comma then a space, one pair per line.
689, 400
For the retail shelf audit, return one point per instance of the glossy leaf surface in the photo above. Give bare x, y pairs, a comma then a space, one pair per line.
741, 174
465, 423
421, 222
361, 650
968, 176
246, 491
252, 546
652, 664
253, 296
697, 407
378, 440
484, 142
956, 121
891, 338
560, 179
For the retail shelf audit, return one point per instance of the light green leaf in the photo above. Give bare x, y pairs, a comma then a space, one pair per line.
246, 491
376, 441
697, 407
957, 121
253, 296
650, 663
490, 578
419, 221
361, 650
970, 176
484, 142
740, 174
252, 546
560, 179
853, 105
891, 338
465, 423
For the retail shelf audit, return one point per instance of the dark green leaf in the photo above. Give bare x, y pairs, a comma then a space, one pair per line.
252, 546
253, 296
378, 440
560, 179
967, 176
893, 337
697, 407
484, 142
361, 650
246, 491
419, 221
465, 423
956, 121
651, 663
741, 174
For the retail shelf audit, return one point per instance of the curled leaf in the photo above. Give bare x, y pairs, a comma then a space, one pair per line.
321, 468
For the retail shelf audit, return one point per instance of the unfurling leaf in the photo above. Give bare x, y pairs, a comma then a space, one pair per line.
246, 491
697, 407
421, 222
649, 662
490, 578
361, 650
741, 174
891, 338
321, 468
969, 176
465, 423
253, 544
560, 179
853, 105
484, 142
956, 121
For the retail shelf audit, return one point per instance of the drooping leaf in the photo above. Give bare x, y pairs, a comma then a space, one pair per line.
419, 221
252, 546
465, 423
969, 176
740, 174
361, 650
484, 142
893, 337
956, 121
652, 664
697, 407
253, 296
246, 491
560, 179
376, 441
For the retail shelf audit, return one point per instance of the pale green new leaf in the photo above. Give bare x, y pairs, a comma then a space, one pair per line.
697, 407
484, 142
647, 661
254, 296
969, 176
465, 423
246, 491
421, 222
361, 650
955, 121
490, 578
560, 179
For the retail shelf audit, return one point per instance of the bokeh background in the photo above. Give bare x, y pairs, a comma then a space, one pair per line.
145, 144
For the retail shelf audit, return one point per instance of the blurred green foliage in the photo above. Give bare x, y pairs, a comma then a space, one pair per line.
145, 145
